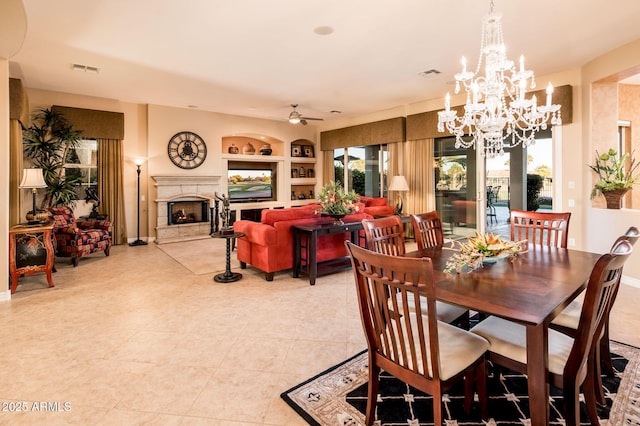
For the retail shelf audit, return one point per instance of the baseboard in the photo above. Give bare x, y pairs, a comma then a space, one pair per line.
5, 296
632, 282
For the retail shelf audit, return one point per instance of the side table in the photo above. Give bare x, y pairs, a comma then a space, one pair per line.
228, 276
30, 252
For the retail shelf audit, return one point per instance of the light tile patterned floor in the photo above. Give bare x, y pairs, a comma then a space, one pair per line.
135, 337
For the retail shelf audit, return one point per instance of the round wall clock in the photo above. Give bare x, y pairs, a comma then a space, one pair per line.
187, 150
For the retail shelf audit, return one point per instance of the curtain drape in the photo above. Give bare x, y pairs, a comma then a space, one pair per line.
328, 169
420, 176
111, 186
396, 160
15, 171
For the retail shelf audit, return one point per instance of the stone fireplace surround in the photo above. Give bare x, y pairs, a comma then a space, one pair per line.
182, 188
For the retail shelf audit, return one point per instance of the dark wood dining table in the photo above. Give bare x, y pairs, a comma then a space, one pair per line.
530, 290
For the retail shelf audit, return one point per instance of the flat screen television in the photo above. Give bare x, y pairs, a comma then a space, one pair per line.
247, 184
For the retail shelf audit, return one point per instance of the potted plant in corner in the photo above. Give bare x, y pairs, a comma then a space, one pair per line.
49, 143
615, 178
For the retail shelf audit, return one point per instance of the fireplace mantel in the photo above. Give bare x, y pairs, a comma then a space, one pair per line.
172, 188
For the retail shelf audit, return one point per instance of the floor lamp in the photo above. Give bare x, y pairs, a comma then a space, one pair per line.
399, 184
138, 242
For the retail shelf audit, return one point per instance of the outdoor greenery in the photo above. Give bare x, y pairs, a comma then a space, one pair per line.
49, 142
534, 186
357, 178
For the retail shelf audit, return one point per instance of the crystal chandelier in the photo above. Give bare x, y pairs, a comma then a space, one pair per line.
496, 108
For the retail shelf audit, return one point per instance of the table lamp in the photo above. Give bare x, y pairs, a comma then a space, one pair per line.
399, 184
33, 179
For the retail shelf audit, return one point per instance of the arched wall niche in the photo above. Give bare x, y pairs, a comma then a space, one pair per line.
242, 141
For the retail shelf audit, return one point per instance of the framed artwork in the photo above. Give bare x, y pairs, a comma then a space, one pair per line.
296, 150
308, 151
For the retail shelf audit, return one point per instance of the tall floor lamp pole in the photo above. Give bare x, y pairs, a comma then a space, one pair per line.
138, 242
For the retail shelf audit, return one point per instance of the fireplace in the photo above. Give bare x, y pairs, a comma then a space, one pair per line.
187, 211
183, 207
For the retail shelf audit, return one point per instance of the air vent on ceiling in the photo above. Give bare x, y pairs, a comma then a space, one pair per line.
85, 68
427, 72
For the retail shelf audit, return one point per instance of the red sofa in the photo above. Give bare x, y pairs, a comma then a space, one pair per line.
268, 244
377, 206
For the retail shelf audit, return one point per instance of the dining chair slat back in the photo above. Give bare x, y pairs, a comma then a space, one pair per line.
427, 228
404, 337
568, 321
542, 228
385, 235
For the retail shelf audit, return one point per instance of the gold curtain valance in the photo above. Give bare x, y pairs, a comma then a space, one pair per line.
425, 125
376, 133
18, 102
94, 123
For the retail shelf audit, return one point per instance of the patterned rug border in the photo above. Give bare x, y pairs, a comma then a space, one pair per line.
624, 411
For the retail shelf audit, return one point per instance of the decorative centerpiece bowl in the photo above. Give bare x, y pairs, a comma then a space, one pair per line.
483, 249
337, 218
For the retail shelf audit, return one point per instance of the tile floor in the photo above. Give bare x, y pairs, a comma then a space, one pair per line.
135, 338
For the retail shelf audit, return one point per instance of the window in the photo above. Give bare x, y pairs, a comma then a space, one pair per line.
82, 161
366, 168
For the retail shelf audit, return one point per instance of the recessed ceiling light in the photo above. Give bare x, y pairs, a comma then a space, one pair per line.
335, 111
192, 106
323, 30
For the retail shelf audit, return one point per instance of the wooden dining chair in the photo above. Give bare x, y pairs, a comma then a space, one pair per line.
543, 228
568, 320
385, 235
427, 229
569, 358
406, 340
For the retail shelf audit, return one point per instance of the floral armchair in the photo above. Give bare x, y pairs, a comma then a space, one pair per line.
75, 239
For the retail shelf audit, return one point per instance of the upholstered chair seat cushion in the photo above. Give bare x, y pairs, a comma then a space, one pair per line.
458, 348
509, 339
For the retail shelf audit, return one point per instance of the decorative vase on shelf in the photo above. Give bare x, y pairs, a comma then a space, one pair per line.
614, 198
266, 149
233, 149
248, 149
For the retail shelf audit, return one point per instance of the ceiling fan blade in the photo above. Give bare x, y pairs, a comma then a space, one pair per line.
312, 118
303, 121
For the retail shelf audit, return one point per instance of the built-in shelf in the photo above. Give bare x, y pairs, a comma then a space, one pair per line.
257, 158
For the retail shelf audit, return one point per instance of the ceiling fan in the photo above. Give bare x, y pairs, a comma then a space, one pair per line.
295, 117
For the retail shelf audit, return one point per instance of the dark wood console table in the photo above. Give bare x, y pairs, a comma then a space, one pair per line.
305, 243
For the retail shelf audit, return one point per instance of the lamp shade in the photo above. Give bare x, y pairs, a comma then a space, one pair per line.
32, 178
398, 183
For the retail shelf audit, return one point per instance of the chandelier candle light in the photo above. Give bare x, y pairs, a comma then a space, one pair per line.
496, 108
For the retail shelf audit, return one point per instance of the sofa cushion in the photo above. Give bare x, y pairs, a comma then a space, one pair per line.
271, 216
373, 202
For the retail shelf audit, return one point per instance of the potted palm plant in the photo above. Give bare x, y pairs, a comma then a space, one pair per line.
49, 143
615, 176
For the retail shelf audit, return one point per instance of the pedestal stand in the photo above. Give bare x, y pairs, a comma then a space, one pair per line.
227, 276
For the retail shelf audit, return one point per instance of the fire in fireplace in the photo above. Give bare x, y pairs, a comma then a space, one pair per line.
187, 211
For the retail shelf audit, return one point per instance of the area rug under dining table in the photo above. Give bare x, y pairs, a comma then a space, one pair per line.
338, 396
